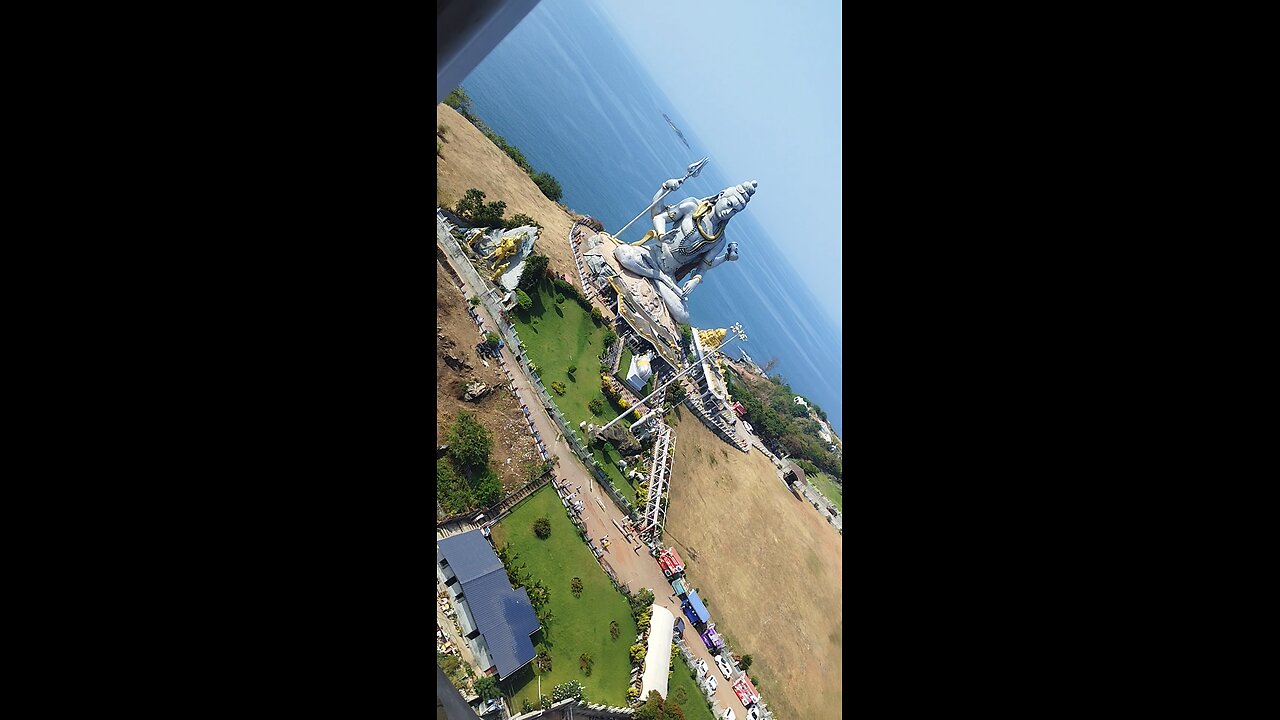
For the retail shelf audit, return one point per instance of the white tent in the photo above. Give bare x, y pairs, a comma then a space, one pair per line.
657, 660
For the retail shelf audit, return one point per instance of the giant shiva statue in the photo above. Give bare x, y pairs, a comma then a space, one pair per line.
695, 243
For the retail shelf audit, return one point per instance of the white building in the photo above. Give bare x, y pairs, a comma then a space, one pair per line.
800, 401
639, 373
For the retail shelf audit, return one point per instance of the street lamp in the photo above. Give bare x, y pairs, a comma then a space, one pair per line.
737, 334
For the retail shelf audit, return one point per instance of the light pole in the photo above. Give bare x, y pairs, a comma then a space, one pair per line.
736, 334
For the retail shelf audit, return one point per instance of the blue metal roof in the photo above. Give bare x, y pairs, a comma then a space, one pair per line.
503, 616
470, 555
699, 611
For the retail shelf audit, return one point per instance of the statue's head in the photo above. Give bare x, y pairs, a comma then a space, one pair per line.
733, 199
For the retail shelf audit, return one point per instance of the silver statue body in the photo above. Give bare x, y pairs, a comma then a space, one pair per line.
695, 243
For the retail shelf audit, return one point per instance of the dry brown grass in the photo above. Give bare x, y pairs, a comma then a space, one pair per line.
769, 566
498, 411
470, 160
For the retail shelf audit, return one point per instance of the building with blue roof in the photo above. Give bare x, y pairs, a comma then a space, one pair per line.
496, 620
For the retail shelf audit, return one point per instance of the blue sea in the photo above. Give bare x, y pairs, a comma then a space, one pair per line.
565, 90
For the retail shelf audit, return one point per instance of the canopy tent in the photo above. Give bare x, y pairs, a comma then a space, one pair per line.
657, 659
695, 610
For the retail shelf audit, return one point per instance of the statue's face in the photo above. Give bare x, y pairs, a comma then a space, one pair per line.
728, 204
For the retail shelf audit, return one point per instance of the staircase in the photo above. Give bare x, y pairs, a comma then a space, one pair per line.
492, 515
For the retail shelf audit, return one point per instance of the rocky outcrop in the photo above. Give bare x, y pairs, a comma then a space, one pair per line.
623, 440
475, 390
456, 363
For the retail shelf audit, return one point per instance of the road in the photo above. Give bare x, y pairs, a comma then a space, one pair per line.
632, 564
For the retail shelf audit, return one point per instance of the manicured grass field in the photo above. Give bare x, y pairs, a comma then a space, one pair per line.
578, 625
558, 336
828, 487
683, 685
609, 461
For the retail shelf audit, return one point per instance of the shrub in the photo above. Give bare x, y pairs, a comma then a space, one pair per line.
585, 661
523, 300
543, 662
559, 299
610, 337
745, 663
558, 387
488, 488
442, 130
520, 220
492, 339
535, 266
475, 300
491, 215
549, 186
595, 406
542, 528
570, 689
439, 149
622, 403
637, 653
575, 586
642, 622
469, 442
633, 694
613, 629
597, 315
487, 688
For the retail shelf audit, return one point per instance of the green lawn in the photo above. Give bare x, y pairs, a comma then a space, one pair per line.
558, 336
609, 461
683, 689
578, 625
827, 487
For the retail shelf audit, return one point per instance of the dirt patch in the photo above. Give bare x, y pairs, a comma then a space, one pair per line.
471, 160
499, 412
740, 531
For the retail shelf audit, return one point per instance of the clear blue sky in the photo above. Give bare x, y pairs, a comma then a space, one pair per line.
761, 84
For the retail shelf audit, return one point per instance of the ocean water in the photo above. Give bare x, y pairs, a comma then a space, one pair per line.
565, 90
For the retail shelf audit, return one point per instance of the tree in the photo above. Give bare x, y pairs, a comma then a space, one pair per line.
548, 185
675, 393
487, 688
523, 300
575, 586
520, 220
470, 204
458, 100
491, 215
799, 410
542, 528
596, 315
596, 406
686, 335
613, 629
585, 661
610, 337
489, 489
535, 267
475, 300
768, 367
539, 595
745, 663
492, 339
469, 442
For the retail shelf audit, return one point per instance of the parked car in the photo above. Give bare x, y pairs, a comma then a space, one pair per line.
728, 715
753, 713
709, 684
723, 664
702, 667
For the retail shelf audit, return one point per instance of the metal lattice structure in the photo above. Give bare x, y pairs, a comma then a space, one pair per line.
655, 509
